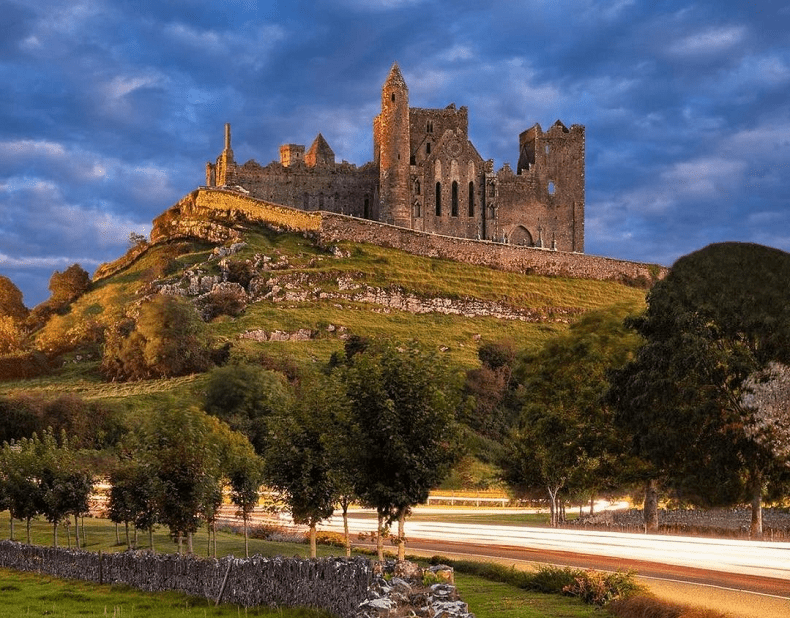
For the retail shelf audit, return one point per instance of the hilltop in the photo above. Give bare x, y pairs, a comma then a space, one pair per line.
302, 298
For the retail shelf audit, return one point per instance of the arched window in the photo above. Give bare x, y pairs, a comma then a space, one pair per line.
454, 200
393, 96
438, 199
428, 148
471, 199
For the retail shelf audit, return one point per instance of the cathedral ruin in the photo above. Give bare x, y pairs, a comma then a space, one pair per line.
426, 175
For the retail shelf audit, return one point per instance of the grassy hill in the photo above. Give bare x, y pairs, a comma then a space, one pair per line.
316, 297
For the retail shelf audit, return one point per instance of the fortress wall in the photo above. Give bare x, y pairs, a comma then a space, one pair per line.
218, 208
231, 203
486, 253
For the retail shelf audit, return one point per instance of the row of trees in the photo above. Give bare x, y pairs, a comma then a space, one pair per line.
691, 397
377, 426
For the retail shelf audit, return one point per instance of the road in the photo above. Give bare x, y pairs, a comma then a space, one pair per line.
747, 578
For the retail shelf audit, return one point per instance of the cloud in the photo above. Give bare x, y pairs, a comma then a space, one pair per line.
710, 41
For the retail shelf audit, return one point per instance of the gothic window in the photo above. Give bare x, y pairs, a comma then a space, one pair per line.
428, 148
417, 187
471, 199
417, 209
429, 128
438, 199
454, 202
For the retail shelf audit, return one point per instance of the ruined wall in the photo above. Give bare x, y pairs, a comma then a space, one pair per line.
223, 207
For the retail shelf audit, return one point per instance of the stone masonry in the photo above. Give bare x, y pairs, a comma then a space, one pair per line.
427, 175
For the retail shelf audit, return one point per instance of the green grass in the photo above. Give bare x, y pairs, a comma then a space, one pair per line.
488, 599
455, 338
29, 594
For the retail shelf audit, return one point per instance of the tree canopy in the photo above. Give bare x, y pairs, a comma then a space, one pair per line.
721, 314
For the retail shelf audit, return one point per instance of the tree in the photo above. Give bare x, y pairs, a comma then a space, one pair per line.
298, 461
166, 339
566, 438
11, 304
11, 338
21, 463
245, 396
402, 404
720, 315
185, 448
133, 495
69, 285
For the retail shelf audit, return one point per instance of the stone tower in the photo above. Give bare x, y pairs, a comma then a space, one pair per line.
391, 146
223, 172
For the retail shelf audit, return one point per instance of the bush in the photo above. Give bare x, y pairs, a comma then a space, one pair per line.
594, 587
647, 606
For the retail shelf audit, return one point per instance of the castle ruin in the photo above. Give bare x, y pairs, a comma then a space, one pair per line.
426, 175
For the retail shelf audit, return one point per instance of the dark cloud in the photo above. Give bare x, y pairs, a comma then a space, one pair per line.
109, 110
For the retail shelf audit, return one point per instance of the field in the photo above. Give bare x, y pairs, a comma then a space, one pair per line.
23, 594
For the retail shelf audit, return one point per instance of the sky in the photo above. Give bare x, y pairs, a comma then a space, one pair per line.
109, 109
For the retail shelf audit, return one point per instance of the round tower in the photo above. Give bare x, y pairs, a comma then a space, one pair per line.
392, 138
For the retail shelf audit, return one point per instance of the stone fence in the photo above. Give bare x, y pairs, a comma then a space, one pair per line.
335, 584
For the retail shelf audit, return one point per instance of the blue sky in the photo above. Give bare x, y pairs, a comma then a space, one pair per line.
109, 110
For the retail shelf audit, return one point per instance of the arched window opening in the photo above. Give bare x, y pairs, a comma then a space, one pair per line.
454, 201
393, 96
428, 148
438, 199
471, 199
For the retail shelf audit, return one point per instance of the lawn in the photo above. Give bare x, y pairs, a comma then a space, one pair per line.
24, 594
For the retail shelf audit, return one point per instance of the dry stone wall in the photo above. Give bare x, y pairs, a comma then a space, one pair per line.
337, 585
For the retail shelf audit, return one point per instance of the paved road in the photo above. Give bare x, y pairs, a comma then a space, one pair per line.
749, 579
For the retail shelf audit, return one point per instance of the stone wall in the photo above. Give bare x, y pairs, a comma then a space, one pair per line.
337, 585
223, 208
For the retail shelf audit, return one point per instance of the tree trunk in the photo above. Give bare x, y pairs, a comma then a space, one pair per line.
756, 531
553, 505
128, 541
650, 511
180, 543
346, 535
380, 538
55, 534
401, 535
313, 545
190, 548
27, 525
77, 530
245, 517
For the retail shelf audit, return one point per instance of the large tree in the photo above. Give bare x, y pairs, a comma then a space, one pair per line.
166, 338
299, 461
721, 314
566, 438
403, 403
